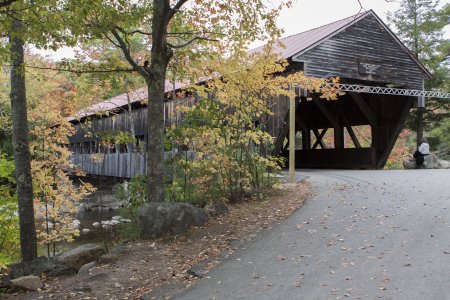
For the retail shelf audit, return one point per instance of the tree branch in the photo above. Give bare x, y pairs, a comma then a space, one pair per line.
191, 41
79, 71
127, 54
140, 31
196, 33
176, 8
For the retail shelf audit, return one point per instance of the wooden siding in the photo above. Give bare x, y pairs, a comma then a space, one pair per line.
120, 163
123, 165
364, 42
122, 122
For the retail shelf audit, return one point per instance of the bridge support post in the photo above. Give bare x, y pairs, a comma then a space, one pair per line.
292, 132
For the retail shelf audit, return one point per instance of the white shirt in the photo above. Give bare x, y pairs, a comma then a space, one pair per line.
424, 148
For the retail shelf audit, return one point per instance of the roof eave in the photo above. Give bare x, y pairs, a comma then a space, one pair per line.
331, 34
357, 19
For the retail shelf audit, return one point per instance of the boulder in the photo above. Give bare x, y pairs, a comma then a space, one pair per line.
34, 267
30, 283
85, 268
80, 256
160, 218
59, 269
444, 164
216, 209
431, 161
114, 222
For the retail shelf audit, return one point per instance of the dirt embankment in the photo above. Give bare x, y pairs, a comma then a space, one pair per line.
176, 262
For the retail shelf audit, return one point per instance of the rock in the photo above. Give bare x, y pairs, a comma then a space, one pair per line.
217, 209
430, 162
80, 256
443, 164
113, 255
96, 224
109, 258
85, 268
157, 219
30, 283
85, 230
409, 163
125, 221
116, 218
114, 222
61, 270
34, 267
199, 269
76, 223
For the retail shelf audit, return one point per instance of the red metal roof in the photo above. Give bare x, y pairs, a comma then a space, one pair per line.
121, 100
299, 42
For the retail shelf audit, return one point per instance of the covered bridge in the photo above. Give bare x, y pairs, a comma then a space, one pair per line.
360, 49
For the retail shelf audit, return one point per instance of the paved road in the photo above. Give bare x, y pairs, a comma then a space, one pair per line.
365, 235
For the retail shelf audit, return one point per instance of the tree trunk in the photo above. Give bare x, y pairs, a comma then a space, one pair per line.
161, 55
155, 146
21, 148
419, 124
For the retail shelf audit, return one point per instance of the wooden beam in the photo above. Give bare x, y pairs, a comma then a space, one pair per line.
353, 136
349, 128
306, 139
338, 132
320, 103
365, 109
319, 138
308, 119
394, 135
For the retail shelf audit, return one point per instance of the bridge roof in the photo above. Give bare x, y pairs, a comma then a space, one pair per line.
137, 95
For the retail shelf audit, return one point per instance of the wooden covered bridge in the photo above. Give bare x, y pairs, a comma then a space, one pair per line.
382, 81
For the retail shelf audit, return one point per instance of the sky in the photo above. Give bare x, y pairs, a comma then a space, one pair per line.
305, 15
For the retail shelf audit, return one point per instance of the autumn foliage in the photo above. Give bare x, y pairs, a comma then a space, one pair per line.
224, 129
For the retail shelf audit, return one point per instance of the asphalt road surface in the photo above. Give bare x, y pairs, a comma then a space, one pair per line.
363, 235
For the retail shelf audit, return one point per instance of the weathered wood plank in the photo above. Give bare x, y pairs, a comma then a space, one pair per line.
368, 42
